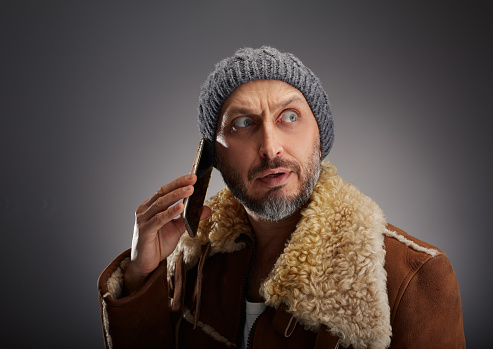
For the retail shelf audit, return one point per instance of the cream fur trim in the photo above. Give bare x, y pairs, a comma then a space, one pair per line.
115, 291
106, 323
115, 281
331, 271
411, 244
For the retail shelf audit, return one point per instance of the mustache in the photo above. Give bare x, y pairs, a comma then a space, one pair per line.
268, 164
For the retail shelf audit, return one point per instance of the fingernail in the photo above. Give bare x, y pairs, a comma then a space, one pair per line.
188, 177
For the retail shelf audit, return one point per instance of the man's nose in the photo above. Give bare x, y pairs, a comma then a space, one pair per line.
270, 143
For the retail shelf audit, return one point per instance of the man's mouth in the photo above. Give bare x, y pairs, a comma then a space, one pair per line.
274, 178
273, 168
273, 175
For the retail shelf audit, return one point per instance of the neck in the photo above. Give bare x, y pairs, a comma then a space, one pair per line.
270, 239
272, 236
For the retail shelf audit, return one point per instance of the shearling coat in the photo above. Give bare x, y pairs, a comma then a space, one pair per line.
346, 277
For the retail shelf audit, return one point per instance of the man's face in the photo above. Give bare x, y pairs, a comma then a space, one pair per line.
268, 148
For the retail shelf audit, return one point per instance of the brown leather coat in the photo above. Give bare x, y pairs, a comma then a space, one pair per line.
345, 278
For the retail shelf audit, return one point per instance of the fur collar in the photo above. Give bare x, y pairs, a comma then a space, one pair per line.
331, 271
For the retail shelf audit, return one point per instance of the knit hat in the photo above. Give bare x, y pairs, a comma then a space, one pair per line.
249, 64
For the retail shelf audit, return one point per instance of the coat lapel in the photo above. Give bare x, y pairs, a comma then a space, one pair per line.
332, 269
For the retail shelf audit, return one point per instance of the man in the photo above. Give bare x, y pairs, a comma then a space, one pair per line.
288, 255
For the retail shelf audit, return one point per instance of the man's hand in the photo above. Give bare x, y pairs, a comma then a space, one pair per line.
157, 231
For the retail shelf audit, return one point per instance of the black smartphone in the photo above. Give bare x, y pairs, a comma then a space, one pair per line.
202, 167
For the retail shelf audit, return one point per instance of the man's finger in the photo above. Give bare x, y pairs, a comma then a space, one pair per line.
182, 181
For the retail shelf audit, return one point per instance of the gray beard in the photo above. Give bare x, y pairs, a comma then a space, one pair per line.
275, 205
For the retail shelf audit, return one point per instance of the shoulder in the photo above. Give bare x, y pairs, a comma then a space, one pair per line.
412, 264
423, 293
406, 255
398, 242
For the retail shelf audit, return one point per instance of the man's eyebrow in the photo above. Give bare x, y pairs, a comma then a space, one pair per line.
289, 101
238, 111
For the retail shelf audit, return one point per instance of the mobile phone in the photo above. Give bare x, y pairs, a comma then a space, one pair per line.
202, 168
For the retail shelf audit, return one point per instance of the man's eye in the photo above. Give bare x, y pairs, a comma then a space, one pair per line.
242, 122
289, 116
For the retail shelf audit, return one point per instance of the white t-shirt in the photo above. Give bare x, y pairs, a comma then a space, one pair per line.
253, 311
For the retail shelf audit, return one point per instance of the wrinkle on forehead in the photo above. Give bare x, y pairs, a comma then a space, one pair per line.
254, 97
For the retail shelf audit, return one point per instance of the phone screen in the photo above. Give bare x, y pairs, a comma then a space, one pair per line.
202, 167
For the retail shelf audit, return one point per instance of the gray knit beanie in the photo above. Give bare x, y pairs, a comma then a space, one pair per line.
249, 64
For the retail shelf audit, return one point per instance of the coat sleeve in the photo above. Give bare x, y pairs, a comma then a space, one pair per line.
429, 313
141, 320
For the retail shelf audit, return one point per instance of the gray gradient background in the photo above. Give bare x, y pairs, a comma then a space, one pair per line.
98, 107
